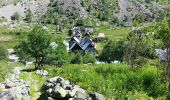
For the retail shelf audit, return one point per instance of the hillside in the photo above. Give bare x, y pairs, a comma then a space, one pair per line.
121, 12
92, 12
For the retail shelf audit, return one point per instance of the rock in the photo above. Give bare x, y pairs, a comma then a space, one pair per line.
81, 94
15, 88
49, 98
42, 72
49, 85
60, 89
60, 92
50, 90
17, 71
9, 84
2, 86
97, 96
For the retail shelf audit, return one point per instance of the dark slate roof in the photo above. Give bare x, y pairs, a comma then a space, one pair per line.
84, 43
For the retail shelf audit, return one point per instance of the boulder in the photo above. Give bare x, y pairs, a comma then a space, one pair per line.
60, 92
97, 96
81, 94
42, 72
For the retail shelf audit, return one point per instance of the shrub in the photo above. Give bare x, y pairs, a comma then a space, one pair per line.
88, 58
15, 16
112, 51
77, 58
141, 61
80, 57
28, 17
151, 82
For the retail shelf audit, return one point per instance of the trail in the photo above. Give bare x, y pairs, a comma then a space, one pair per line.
35, 89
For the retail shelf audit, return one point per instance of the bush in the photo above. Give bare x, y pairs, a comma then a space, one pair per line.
80, 57
112, 51
77, 58
28, 17
151, 82
140, 61
15, 16
88, 58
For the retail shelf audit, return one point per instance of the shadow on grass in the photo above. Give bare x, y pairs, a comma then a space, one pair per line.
43, 96
28, 70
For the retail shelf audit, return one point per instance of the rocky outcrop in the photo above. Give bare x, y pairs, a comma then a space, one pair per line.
14, 88
58, 89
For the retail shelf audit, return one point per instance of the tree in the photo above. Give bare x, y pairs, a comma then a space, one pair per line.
28, 17
137, 47
36, 46
57, 53
112, 51
164, 33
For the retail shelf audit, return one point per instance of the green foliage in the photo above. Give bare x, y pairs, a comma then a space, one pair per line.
15, 16
28, 17
36, 45
138, 19
3, 53
138, 46
112, 51
80, 57
164, 32
58, 56
88, 58
77, 58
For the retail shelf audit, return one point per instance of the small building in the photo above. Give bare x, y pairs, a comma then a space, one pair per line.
85, 44
81, 39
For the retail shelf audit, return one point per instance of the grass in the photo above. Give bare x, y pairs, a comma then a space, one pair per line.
6, 67
114, 34
114, 81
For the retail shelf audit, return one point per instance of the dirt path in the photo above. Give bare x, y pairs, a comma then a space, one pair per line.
34, 86
5, 38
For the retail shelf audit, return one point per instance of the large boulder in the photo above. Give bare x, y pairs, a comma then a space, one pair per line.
97, 96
